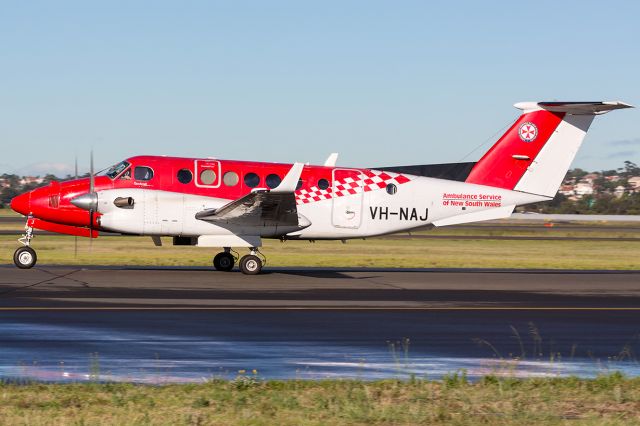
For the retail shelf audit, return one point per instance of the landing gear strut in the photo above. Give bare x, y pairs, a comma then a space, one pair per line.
224, 261
25, 257
251, 264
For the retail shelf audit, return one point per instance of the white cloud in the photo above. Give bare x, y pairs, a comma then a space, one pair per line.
625, 142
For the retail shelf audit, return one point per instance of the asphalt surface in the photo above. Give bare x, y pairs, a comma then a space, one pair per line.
61, 287
160, 325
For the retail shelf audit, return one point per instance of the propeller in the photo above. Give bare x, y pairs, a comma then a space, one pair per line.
75, 242
88, 201
93, 205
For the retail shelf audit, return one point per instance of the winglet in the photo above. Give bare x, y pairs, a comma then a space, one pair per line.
290, 181
331, 160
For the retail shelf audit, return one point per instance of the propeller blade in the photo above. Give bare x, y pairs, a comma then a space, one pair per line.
91, 177
76, 168
91, 230
91, 190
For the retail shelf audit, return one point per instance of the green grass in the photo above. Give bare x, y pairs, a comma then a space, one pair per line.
401, 253
612, 400
8, 212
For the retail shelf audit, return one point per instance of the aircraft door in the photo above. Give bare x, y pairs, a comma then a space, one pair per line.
151, 222
347, 195
171, 215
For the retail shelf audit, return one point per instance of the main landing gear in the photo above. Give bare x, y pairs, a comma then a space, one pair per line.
225, 260
250, 264
25, 257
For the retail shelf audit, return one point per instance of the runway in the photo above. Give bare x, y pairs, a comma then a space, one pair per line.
159, 325
315, 288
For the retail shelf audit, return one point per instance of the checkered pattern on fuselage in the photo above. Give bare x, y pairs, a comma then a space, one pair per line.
369, 180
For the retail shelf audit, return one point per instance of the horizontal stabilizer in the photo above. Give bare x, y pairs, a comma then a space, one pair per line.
573, 108
490, 214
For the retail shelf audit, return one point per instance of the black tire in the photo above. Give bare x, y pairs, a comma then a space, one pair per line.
224, 261
250, 265
25, 258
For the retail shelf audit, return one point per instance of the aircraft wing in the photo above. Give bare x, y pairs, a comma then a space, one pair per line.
276, 207
260, 208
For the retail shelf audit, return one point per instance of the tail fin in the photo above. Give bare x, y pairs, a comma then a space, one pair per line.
534, 155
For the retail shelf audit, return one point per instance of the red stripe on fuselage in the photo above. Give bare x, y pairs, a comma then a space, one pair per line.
498, 167
62, 229
59, 210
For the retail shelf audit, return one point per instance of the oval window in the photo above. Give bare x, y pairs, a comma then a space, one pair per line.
185, 176
391, 189
143, 173
323, 184
273, 180
251, 180
230, 179
207, 177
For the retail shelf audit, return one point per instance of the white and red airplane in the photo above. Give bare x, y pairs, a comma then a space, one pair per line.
223, 203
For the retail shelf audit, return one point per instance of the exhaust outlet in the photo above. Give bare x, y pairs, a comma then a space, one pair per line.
124, 202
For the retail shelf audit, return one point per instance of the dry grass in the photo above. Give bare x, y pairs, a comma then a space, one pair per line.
447, 253
610, 399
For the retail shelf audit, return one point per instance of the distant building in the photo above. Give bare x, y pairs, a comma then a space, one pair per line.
583, 188
31, 180
619, 191
590, 177
634, 183
566, 190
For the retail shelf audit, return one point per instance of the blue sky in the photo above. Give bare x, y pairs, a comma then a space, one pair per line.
383, 83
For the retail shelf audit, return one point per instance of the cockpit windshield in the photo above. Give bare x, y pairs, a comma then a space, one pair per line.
114, 171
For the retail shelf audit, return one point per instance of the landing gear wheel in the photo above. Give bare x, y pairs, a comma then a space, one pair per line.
250, 264
224, 261
25, 258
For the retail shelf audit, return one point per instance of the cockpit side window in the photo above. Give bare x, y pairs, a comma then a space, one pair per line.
143, 173
126, 175
114, 171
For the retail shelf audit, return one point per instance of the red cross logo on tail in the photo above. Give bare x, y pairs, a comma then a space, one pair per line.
528, 131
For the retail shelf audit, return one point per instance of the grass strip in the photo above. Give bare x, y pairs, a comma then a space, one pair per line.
609, 399
398, 253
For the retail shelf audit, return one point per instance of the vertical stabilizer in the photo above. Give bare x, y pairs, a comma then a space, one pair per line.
534, 155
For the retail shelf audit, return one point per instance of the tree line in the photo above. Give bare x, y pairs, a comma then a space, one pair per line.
602, 201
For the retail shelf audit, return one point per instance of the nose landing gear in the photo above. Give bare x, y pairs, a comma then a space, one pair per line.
25, 257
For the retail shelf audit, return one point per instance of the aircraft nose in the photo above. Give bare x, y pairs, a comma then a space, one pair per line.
22, 203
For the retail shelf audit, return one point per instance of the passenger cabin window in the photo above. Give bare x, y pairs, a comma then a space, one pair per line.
251, 180
207, 177
185, 176
273, 180
231, 179
323, 184
143, 173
